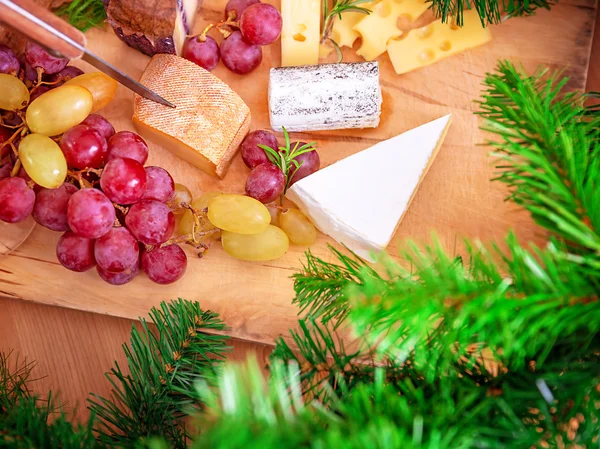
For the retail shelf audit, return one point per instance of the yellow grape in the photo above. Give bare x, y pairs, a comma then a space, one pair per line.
270, 244
43, 160
274, 212
102, 87
239, 214
59, 109
14, 94
297, 227
182, 195
200, 203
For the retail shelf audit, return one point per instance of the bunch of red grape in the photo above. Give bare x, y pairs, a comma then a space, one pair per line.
275, 168
75, 175
259, 24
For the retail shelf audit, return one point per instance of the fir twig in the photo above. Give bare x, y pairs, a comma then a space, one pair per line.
83, 14
548, 155
159, 391
15, 376
26, 420
320, 286
490, 11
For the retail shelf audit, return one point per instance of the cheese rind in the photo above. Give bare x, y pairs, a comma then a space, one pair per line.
300, 35
381, 25
325, 97
437, 41
209, 121
361, 200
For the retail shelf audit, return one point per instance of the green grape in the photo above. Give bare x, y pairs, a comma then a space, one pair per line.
270, 244
182, 195
239, 214
57, 110
187, 220
43, 160
297, 227
14, 93
274, 211
102, 87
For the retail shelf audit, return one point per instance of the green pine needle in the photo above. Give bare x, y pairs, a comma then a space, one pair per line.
320, 286
156, 394
547, 155
335, 11
490, 11
83, 14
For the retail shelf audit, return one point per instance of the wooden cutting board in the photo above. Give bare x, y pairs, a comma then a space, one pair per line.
456, 199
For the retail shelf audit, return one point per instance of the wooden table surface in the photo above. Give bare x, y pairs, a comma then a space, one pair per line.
73, 349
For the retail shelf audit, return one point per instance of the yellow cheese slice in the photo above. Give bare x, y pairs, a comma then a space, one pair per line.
343, 32
301, 32
381, 25
436, 41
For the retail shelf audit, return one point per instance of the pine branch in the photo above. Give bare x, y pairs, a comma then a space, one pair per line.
15, 376
28, 421
548, 155
490, 11
154, 398
83, 14
320, 286
326, 366
42, 424
248, 411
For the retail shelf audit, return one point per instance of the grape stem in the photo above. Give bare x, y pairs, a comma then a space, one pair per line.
277, 206
77, 176
40, 72
230, 23
202, 36
2, 117
124, 210
49, 83
20, 130
16, 168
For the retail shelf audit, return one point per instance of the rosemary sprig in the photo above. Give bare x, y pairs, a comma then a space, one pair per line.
83, 14
285, 157
336, 11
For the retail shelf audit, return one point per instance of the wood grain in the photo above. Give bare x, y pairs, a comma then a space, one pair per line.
73, 349
456, 199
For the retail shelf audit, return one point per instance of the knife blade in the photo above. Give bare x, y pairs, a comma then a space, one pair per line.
64, 40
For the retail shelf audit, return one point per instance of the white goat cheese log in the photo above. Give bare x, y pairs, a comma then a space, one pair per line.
325, 97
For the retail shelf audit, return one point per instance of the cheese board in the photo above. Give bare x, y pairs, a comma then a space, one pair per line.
455, 200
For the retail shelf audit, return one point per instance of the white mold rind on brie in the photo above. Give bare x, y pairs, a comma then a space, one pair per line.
325, 97
360, 201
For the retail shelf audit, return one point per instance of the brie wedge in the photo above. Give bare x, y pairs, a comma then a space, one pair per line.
360, 201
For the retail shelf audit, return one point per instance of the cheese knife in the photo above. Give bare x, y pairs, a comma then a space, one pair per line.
63, 40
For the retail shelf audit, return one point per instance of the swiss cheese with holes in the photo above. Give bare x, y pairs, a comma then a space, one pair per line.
436, 41
301, 32
381, 25
209, 121
343, 32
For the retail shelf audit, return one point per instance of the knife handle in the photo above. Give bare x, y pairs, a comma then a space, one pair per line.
43, 26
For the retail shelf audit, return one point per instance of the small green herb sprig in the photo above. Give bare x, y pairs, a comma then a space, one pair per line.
336, 11
285, 157
83, 14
